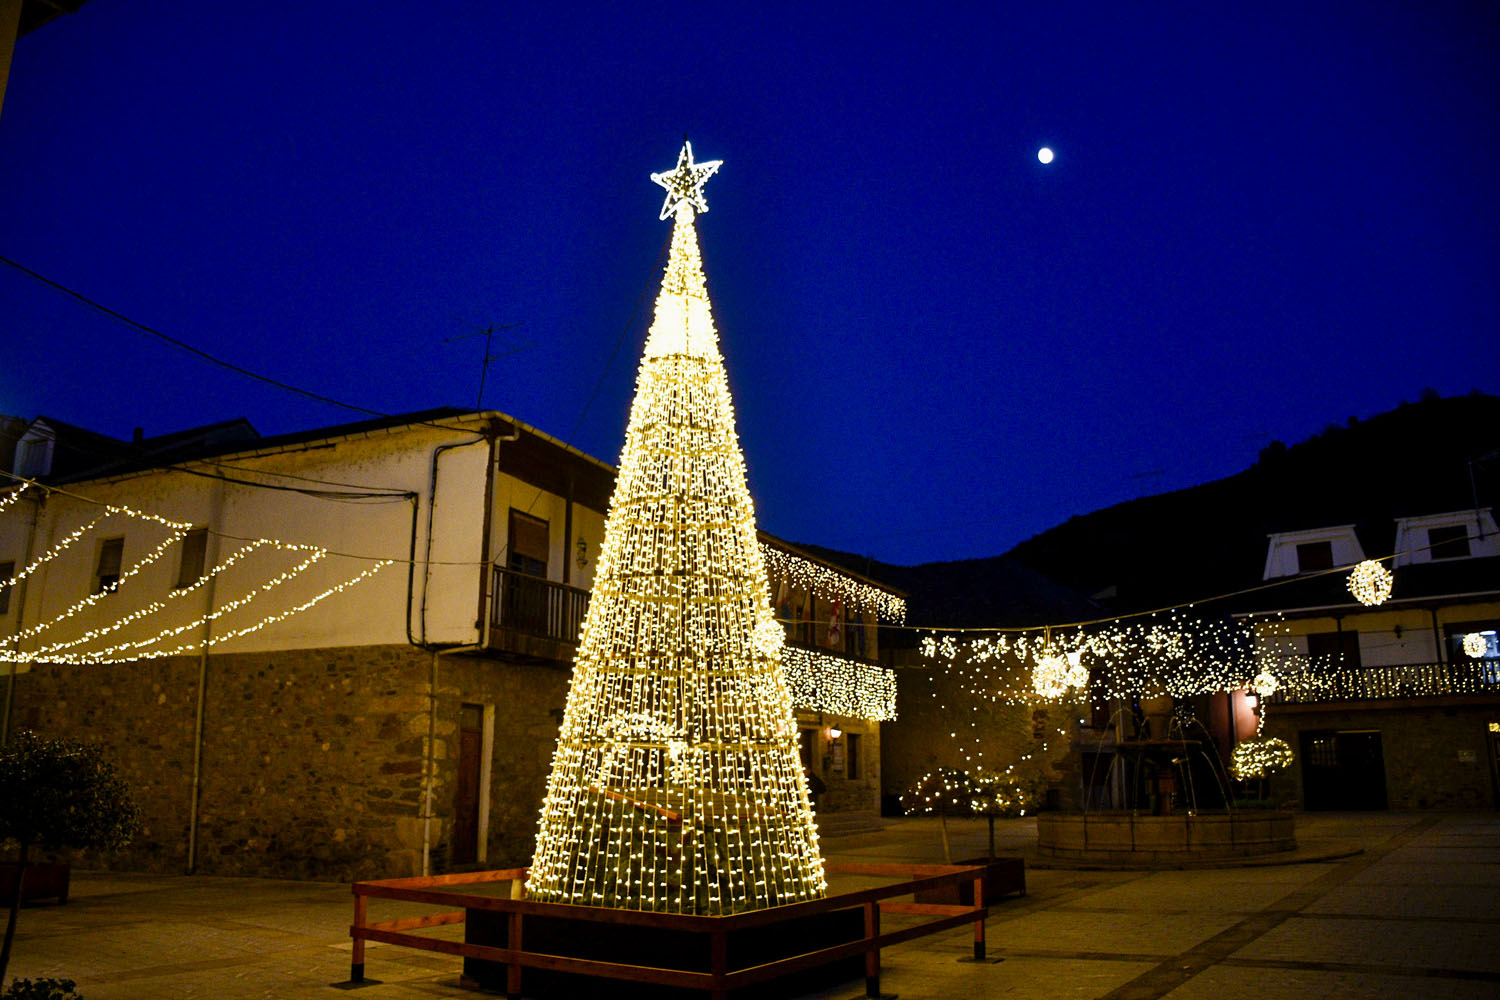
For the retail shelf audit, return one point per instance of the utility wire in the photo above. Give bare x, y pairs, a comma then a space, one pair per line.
202, 355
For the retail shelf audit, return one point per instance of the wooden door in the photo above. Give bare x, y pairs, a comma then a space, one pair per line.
466, 793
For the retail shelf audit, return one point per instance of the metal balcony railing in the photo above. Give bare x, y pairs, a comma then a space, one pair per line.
536, 606
1406, 680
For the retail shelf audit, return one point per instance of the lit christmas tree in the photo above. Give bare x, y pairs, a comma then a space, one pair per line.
676, 784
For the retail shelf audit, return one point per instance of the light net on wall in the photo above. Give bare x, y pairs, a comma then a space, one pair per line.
676, 784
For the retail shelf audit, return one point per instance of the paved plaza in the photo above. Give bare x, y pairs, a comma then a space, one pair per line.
1408, 910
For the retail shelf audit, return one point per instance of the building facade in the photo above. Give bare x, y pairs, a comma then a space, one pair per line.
345, 653
1393, 705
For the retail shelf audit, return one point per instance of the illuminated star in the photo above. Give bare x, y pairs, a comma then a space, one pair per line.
685, 184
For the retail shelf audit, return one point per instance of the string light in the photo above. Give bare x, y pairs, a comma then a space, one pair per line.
13, 496
1370, 583
1264, 684
676, 783
831, 585
1259, 758
824, 683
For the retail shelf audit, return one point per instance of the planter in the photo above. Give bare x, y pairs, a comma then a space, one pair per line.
44, 880
1002, 876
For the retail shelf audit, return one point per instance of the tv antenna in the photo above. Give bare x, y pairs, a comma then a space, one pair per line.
484, 366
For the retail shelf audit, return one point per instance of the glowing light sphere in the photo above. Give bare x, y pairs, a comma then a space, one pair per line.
1260, 758
1475, 646
1370, 583
1050, 678
1045, 154
1265, 684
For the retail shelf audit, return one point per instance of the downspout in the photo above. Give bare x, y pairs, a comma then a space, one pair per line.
20, 598
1437, 637
210, 558
432, 485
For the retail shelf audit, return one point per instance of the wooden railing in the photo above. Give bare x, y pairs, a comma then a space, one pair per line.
446, 891
1407, 680
535, 606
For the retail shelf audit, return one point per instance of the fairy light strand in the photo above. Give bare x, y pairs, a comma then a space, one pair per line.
676, 784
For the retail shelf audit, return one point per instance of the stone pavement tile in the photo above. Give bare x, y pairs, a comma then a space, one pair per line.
1239, 890
1471, 902
1423, 853
1389, 872
925, 976
1072, 932
1404, 943
1236, 983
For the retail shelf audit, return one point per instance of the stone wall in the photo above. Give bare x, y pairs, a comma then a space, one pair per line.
943, 725
1435, 757
313, 761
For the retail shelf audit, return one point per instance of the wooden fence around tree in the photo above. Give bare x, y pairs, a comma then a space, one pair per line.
447, 891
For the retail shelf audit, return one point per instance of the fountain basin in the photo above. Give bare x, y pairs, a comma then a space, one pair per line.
1123, 837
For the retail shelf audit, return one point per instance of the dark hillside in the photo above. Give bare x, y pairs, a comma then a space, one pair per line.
1211, 539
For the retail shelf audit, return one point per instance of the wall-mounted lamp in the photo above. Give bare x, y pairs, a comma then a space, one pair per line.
834, 732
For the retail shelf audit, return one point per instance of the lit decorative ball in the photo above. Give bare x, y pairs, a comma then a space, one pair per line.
1370, 583
1050, 678
1475, 646
1265, 684
1044, 155
769, 637
1259, 758
1077, 674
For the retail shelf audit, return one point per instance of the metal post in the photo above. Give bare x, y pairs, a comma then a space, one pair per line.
872, 955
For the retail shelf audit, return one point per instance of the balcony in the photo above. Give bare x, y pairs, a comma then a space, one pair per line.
534, 619
1400, 682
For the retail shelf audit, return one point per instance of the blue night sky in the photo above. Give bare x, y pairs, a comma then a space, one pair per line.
1262, 219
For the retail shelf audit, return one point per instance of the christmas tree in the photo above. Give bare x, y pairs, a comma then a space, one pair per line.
676, 784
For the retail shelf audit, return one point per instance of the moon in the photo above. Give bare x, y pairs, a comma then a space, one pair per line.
1044, 154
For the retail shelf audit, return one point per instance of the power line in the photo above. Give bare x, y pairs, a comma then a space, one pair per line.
202, 355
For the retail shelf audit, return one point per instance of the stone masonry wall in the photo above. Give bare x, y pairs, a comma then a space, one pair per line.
313, 761
940, 725
1435, 758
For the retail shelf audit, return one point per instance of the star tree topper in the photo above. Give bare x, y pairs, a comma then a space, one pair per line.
685, 184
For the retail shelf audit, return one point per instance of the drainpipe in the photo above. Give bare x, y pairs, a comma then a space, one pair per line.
20, 599
210, 558
432, 485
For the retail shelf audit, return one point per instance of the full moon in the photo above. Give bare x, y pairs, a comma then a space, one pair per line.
1044, 154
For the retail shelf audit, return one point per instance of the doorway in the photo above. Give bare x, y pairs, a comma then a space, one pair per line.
469, 813
1342, 769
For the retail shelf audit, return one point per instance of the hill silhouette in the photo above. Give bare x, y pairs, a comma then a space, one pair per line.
1427, 457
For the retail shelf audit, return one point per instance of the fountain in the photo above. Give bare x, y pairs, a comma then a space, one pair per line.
1152, 815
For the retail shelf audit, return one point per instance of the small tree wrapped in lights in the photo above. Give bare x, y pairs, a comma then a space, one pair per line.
979, 792
676, 784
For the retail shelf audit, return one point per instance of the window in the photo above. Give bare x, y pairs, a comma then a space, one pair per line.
108, 572
1314, 556
1338, 650
194, 548
529, 547
854, 769
7, 570
1448, 542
